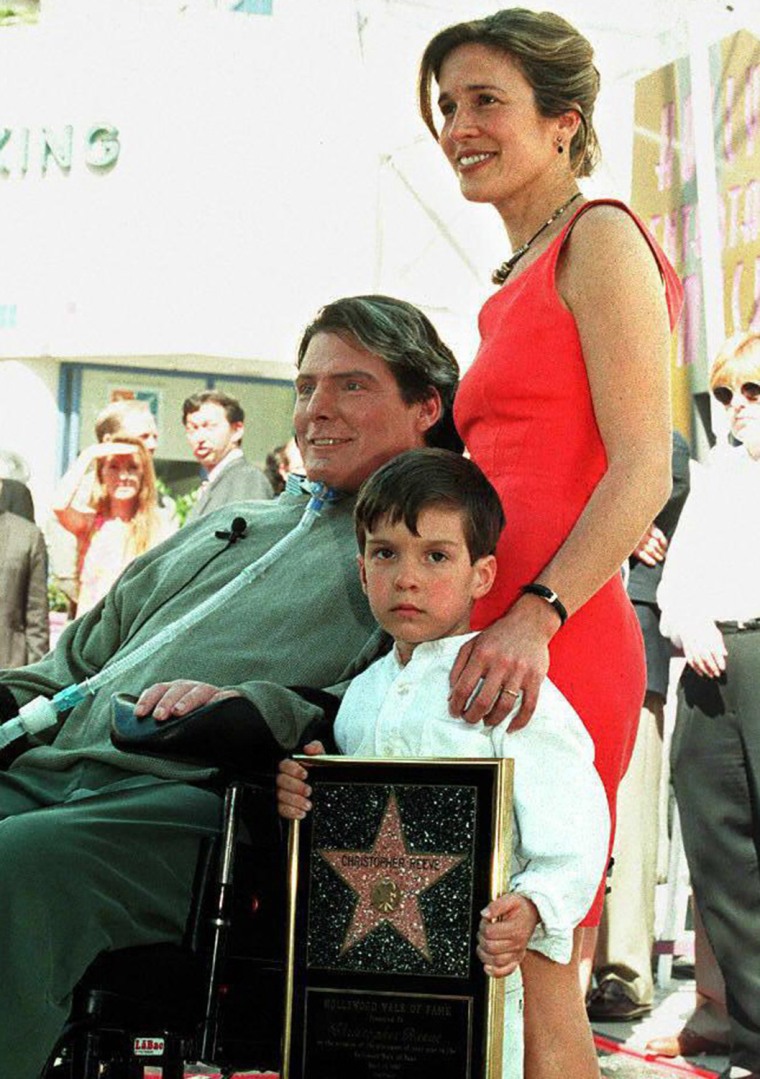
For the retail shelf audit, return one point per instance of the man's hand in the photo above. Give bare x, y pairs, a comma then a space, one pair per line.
293, 792
168, 699
506, 926
652, 547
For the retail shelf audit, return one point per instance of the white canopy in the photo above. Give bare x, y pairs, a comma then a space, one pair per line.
267, 164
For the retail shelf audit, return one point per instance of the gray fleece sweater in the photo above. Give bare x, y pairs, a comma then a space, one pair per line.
304, 622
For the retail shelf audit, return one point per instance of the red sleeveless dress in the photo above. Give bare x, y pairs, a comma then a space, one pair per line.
525, 412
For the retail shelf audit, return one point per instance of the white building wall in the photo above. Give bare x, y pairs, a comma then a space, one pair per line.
29, 419
267, 165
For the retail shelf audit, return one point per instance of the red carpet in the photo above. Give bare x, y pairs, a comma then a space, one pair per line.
616, 1059
151, 1074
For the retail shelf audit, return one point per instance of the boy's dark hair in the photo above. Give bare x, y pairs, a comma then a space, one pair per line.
405, 338
233, 410
421, 479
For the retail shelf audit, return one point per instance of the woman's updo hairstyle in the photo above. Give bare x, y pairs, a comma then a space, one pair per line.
554, 57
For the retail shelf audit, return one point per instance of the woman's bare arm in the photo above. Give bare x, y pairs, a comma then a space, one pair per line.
69, 501
609, 279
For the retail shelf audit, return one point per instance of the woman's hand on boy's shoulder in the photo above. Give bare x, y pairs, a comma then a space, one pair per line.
506, 926
293, 791
507, 661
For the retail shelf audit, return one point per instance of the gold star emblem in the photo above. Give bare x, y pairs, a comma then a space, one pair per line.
387, 880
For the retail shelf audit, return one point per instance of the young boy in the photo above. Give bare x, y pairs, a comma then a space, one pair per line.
427, 524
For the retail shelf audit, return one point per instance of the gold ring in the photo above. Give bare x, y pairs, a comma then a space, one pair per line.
512, 692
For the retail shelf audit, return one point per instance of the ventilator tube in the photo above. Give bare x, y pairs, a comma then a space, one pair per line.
43, 712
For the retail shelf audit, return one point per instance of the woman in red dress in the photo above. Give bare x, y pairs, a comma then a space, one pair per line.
566, 409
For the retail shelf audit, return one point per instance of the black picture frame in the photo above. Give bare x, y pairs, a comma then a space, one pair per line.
387, 877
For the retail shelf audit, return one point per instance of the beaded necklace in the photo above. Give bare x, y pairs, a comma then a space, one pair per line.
500, 276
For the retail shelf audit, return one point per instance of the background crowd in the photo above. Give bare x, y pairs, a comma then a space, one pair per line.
110, 505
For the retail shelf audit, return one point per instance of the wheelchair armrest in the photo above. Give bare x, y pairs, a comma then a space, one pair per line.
231, 735
321, 729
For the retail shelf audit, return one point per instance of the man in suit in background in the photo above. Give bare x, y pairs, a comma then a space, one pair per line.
214, 425
24, 632
15, 497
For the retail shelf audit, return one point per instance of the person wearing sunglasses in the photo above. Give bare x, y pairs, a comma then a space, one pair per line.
727, 395
710, 602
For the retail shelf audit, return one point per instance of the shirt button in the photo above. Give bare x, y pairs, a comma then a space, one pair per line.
402, 688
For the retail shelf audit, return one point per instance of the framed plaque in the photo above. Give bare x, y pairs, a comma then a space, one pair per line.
388, 875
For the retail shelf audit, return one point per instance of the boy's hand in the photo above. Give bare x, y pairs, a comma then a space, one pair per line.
293, 792
506, 926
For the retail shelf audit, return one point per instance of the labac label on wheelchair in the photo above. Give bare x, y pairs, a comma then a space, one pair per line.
148, 1047
388, 875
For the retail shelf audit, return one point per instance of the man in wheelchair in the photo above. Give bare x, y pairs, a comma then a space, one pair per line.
98, 846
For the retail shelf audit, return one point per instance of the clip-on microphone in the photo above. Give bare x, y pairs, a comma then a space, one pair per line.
238, 529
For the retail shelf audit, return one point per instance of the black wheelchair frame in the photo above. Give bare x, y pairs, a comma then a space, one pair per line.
217, 999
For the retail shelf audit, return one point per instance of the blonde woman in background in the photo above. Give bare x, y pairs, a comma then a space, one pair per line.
120, 518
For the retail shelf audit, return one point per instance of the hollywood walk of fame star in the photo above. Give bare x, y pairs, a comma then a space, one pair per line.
387, 881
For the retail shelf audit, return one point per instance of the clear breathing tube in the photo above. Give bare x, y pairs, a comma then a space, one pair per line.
43, 712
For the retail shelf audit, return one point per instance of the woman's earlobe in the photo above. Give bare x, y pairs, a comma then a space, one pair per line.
570, 122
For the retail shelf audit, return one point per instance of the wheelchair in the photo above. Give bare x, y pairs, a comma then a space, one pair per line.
215, 1001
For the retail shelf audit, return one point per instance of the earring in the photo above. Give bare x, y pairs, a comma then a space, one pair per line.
560, 147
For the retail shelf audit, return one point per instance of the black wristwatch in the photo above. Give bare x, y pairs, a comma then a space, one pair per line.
550, 596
